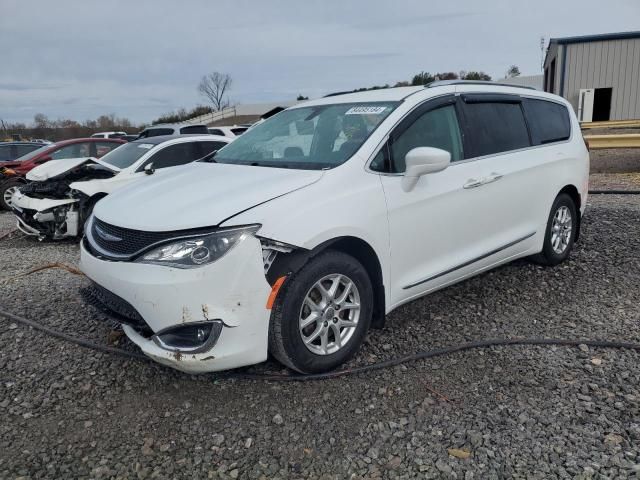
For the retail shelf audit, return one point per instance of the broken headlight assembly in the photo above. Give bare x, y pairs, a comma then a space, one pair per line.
197, 251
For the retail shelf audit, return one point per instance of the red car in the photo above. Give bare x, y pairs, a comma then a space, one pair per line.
76, 148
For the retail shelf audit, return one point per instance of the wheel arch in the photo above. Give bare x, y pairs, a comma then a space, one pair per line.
573, 192
353, 246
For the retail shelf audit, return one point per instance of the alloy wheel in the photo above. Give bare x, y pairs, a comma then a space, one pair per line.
329, 314
561, 228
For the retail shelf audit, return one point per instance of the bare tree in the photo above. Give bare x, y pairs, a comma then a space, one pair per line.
214, 87
513, 71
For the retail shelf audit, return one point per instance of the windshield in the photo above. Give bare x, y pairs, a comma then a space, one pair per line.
126, 155
322, 136
34, 153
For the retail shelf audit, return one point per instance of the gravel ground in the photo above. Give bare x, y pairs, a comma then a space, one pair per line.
523, 412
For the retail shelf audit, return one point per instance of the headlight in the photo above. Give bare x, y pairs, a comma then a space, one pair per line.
196, 251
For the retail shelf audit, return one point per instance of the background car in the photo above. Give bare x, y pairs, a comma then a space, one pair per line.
75, 148
11, 150
61, 195
232, 132
109, 135
173, 129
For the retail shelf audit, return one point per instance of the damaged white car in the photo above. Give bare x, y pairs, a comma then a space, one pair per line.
62, 193
313, 225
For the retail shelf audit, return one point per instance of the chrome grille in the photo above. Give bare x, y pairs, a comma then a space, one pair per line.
124, 243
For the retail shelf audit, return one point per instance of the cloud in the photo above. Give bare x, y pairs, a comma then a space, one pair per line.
141, 58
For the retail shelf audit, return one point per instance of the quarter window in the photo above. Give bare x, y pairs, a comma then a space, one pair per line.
549, 121
436, 128
496, 127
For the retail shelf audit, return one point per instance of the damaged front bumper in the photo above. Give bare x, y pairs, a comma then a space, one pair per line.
46, 218
231, 292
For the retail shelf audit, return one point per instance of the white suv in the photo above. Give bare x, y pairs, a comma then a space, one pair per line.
298, 249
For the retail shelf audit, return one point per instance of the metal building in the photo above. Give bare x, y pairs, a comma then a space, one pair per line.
598, 74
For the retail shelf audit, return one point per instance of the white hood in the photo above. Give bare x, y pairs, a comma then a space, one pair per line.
53, 168
198, 195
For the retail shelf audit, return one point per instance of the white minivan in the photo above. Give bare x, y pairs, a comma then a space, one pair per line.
298, 250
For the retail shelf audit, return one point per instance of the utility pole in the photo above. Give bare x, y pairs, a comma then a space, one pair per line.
542, 53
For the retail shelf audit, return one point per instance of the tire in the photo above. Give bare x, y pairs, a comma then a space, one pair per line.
5, 188
323, 353
556, 250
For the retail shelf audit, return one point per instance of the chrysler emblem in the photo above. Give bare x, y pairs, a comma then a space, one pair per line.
106, 236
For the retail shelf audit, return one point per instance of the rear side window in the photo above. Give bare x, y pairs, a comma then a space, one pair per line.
496, 127
549, 121
156, 132
238, 131
24, 149
194, 129
7, 152
215, 131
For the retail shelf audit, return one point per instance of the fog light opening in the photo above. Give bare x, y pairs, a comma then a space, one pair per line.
190, 337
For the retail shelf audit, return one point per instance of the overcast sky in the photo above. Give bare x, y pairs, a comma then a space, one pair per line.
139, 59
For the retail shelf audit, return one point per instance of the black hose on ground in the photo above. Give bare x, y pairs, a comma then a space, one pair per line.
614, 192
496, 342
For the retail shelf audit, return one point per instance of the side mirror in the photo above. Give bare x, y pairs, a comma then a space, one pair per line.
422, 161
148, 168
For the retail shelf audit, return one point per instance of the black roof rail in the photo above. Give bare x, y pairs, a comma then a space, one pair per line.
442, 83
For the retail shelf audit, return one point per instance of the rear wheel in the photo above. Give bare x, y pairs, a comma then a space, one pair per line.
560, 232
322, 314
7, 189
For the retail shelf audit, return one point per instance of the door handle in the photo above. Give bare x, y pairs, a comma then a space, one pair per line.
492, 178
473, 183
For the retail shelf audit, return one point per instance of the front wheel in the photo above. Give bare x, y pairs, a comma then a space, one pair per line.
7, 189
560, 232
322, 314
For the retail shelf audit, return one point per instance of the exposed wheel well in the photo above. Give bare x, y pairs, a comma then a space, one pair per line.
572, 191
364, 253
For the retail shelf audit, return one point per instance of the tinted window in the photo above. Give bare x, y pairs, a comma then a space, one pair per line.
77, 150
194, 129
496, 127
24, 149
208, 147
436, 128
215, 131
238, 131
173, 155
156, 132
549, 121
7, 152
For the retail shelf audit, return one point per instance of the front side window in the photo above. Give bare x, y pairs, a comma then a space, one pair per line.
496, 127
207, 147
174, 155
314, 137
436, 128
127, 154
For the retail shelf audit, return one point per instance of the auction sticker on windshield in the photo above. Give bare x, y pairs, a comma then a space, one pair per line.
365, 110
